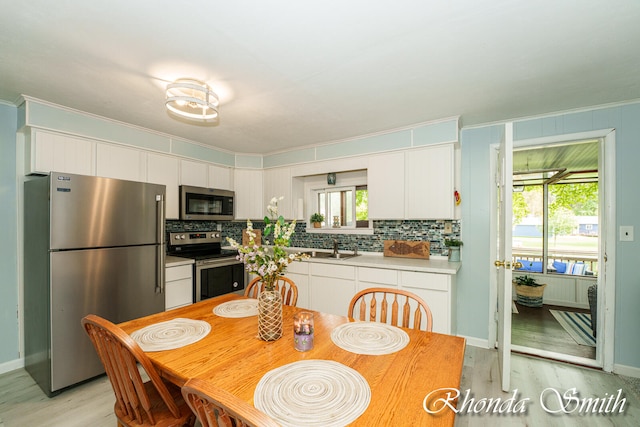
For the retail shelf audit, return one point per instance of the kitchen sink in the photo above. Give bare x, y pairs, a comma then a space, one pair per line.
328, 255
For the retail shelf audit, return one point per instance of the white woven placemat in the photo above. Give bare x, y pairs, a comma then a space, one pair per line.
237, 308
171, 334
369, 338
319, 393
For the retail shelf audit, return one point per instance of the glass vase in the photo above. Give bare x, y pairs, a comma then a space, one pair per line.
269, 315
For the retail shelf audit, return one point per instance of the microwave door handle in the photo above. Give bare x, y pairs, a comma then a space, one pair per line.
160, 268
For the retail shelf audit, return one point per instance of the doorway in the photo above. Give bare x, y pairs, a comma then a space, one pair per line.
566, 160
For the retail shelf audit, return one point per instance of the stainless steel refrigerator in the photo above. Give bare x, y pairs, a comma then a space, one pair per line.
91, 245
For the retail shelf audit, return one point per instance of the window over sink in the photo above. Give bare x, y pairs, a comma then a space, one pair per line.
343, 207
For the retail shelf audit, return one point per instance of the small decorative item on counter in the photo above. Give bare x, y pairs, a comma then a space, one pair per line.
454, 249
317, 219
336, 221
303, 331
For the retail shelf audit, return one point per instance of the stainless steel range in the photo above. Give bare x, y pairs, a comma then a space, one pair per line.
216, 270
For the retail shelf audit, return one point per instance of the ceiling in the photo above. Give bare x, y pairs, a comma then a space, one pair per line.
296, 73
566, 163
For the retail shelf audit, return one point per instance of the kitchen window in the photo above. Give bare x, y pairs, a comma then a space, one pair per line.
343, 207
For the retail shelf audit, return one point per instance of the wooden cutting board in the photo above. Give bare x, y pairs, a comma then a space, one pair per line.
406, 249
245, 238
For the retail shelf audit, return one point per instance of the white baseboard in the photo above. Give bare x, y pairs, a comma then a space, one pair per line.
476, 342
627, 371
11, 365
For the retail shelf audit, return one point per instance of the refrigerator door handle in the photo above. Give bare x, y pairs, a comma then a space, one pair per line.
160, 268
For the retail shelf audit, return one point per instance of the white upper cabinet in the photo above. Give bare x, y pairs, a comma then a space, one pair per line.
413, 184
221, 177
115, 161
385, 184
277, 182
194, 173
429, 183
248, 194
46, 152
163, 169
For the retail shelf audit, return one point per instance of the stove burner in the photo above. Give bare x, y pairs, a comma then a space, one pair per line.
200, 245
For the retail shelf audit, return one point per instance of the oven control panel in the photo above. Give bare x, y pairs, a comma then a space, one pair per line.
195, 237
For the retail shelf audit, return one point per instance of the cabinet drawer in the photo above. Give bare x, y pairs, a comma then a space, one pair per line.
413, 279
179, 272
298, 267
378, 275
330, 270
178, 293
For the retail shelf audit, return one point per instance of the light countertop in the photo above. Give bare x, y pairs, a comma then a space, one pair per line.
436, 264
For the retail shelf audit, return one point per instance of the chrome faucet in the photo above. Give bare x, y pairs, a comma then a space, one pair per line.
335, 246
355, 249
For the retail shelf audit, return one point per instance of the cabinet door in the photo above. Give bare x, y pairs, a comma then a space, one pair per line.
332, 287
178, 286
47, 152
113, 161
221, 177
277, 182
385, 184
299, 272
165, 170
430, 183
436, 290
302, 283
331, 295
193, 173
248, 197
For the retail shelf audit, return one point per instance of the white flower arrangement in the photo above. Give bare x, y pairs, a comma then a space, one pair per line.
268, 262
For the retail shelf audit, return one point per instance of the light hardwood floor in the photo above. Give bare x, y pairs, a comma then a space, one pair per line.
22, 403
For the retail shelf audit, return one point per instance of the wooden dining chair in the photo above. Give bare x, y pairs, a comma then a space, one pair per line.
138, 403
215, 407
388, 305
284, 285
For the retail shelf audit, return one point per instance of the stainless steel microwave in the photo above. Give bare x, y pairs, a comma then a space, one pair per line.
198, 203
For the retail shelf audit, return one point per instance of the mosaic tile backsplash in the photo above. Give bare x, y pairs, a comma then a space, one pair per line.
428, 230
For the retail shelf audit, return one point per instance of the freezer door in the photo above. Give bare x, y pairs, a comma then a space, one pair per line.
91, 212
118, 284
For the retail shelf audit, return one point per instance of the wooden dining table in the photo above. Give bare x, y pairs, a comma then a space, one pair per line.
233, 358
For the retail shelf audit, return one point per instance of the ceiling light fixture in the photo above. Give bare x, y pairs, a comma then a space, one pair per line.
192, 99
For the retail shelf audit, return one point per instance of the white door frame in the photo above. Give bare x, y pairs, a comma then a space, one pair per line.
606, 253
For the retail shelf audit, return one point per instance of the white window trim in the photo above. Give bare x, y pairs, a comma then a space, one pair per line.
328, 228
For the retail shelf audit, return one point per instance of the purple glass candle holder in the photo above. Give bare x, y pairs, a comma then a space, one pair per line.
303, 331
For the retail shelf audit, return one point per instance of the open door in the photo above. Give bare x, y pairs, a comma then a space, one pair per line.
504, 183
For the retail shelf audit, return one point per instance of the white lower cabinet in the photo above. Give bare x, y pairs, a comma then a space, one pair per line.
377, 278
178, 286
438, 291
329, 288
332, 287
299, 273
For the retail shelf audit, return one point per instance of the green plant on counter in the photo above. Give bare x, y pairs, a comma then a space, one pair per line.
317, 217
452, 242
